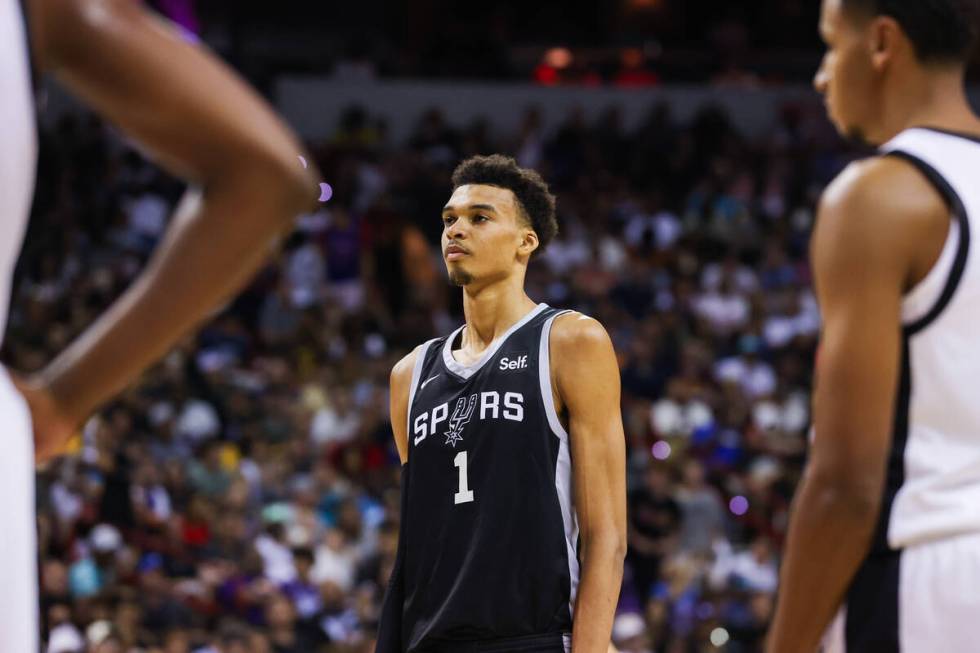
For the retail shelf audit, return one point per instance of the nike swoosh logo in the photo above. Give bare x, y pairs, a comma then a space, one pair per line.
427, 381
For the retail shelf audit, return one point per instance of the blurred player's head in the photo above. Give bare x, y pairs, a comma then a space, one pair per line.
882, 53
499, 215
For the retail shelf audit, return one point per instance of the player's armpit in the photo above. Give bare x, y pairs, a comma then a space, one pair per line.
587, 378
401, 382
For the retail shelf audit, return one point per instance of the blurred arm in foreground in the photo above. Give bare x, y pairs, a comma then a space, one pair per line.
199, 121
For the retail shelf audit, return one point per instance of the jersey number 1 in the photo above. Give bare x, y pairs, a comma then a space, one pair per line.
465, 494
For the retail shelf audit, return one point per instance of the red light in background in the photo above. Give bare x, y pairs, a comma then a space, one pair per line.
545, 74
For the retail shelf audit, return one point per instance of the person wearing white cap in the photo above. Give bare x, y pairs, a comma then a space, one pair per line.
629, 633
105, 538
103, 638
65, 638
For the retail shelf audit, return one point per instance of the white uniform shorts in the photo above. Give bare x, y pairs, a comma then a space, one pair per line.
921, 599
18, 539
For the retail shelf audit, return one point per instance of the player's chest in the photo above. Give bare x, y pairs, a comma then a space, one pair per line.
471, 412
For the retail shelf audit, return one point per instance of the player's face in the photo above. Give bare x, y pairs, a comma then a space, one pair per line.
483, 235
846, 76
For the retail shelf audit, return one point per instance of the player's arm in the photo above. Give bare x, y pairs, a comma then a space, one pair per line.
390, 619
587, 380
870, 222
401, 382
200, 122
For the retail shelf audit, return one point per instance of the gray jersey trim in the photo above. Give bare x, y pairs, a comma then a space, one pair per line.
466, 371
563, 467
416, 373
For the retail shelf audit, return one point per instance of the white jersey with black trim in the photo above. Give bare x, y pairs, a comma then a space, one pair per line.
19, 152
933, 487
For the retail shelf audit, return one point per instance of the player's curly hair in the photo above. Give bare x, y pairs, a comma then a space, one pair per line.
942, 31
534, 201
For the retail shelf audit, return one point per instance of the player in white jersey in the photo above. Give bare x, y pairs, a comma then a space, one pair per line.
884, 539
201, 123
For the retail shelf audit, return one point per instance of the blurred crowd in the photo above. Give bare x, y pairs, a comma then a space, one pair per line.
627, 42
614, 42
244, 495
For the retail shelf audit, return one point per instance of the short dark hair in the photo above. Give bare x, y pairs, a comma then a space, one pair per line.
534, 200
942, 31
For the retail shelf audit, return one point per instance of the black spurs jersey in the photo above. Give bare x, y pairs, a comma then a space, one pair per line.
490, 532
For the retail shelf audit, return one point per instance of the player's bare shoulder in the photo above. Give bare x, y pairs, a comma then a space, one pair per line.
581, 353
879, 209
401, 373
401, 377
401, 383
880, 188
573, 330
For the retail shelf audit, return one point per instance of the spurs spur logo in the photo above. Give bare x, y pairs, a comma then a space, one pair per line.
461, 417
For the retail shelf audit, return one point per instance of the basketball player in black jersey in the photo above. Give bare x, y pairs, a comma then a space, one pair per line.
511, 439
892, 76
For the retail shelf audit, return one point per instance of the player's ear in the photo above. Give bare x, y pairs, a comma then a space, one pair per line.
884, 36
529, 243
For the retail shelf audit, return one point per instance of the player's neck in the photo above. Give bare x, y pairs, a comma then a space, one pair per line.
933, 99
491, 310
